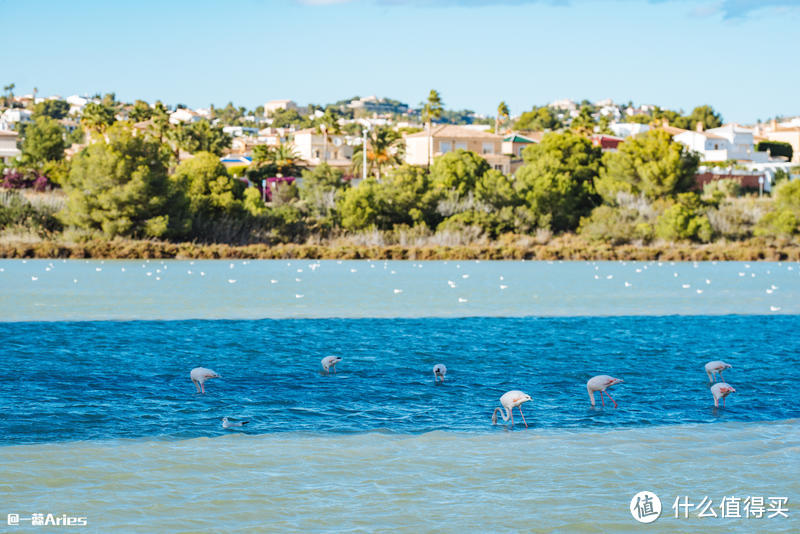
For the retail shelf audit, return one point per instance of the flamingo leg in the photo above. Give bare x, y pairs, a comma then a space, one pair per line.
512, 416
612, 399
523, 416
202, 388
602, 398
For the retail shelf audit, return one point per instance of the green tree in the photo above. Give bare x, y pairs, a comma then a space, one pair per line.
141, 111
284, 118
584, 123
326, 125
281, 160
321, 188
9, 94
557, 180
652, 164
97, 117
684, 220
784, 218
363, 207
432, 109
502, 116
44, 141
202, 137
384, 149
55, 109
705, 115
458, 171
776, 148
538, 119
211, 192
120, 187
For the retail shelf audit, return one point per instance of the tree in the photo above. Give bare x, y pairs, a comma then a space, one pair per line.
281, 160
202, 137
776, 148
284, 118
584, 123
321, 188
502, 116
141, 111
326, 125
55, 109
557, 180
97, 117
705, 115
652, 164
684, 220
9, 94
384, 149
44, 141
211, 192
363, 207
538, 119
119, 187
458, 171
431, 110
784, 219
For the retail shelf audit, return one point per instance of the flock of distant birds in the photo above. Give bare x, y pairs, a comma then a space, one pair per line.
509, 400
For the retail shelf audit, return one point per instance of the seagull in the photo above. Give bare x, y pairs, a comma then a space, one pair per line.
717, 366
439, 370
228, 424
330, 361
510, 400
199, 375
601, 383
720, 390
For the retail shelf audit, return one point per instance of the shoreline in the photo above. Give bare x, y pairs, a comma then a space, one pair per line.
558, 249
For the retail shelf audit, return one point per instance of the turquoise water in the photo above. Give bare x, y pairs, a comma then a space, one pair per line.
101, 420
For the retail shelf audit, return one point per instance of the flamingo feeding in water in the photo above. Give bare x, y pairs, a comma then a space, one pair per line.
439, 370
509, 401
720, 390
330, 361
199, 375
601, 383
712, 368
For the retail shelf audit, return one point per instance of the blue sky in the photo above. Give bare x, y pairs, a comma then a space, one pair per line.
739, 56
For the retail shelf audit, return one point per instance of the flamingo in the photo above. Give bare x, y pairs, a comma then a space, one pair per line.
199, 375
601, 383
510, 400
226, 423
439, 370
712, 368
720, 390
330, 361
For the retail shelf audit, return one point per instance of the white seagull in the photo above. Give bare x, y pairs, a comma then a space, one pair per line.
509, 401
720, 390
717, 366
601, 383
228, 424
330, 361
439, 370
199, 375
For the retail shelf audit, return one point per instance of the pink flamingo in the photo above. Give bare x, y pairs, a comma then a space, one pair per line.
601, 383
510, 400
720, 390
712, 368
199, 375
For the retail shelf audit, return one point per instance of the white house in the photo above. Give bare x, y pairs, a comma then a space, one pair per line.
274, 105
14, 115
628, 129
728, 142
184, 115
312, 147
8, 146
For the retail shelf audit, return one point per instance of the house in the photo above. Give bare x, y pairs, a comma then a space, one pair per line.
184, 115
312, 147
8, 146
14, 115
448, 138
607, 143
728, 142
628, 129
274, 105
373, 104
515, 143
786, 132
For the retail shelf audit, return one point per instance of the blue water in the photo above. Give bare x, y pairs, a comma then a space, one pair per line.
65, 381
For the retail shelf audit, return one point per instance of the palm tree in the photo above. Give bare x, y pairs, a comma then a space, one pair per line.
384, 149
431, 110
327, 124
282, 160
502, 116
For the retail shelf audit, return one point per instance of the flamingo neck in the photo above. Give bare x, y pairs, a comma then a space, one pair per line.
506, 415
591, 395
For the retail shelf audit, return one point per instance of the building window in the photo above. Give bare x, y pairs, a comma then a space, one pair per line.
488, 148
316, 153
461, 146
445, 146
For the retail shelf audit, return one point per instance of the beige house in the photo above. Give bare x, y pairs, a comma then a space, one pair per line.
8, 146
786, 134
313, 148
449, 138
274, 105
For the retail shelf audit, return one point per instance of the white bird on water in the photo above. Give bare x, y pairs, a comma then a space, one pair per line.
720, 390
226, 423
328, 362
509, 401
717, 366
199, 375
601, 383
439, 370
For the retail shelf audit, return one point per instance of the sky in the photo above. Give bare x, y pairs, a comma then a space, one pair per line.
740, 56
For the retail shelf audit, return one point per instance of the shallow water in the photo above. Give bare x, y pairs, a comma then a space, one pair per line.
100, 419
39, 290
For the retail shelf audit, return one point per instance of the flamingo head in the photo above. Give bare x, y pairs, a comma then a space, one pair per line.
727, 390
524, 398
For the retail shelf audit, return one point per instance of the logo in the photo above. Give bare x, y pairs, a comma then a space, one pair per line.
645, 507
13, 519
